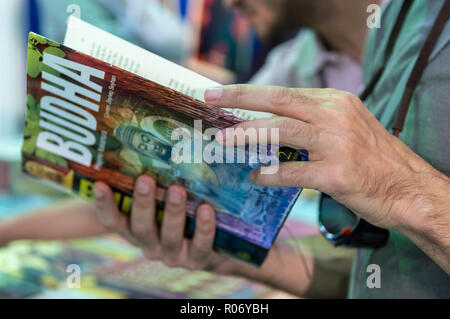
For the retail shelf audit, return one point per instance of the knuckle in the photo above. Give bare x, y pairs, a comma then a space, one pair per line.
316, 136
175, 200
304, 132
353, 100
170, 212
348, 148
194, 265
200, 251
301, 131
170, 261
285, 125
340, 114
237, 94
112, 224
338, 175
301, 97
151, 255
348, 100
140, 230
173, 214
205, 228
170, 242
332, 92
284, 174
281, 96
141, 202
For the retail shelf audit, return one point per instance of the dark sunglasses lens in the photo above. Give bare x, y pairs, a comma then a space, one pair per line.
342, 227
335, 218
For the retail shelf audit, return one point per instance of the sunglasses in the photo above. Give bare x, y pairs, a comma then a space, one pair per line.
343, 228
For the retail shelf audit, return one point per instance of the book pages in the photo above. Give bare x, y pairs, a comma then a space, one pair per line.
88, 39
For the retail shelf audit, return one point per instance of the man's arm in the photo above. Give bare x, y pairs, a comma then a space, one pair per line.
65, 220
309, 267
427, 222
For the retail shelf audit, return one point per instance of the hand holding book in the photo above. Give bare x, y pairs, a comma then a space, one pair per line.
165, 242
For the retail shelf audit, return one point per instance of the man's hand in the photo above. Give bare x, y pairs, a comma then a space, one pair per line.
353, 158
168, 243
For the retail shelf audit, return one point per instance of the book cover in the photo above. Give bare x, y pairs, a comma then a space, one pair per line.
88, 120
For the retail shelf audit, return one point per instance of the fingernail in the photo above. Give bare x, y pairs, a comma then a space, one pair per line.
175, 197
204, 214
142, 187
213, 94
98, 193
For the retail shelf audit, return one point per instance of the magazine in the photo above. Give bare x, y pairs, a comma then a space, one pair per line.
89, 120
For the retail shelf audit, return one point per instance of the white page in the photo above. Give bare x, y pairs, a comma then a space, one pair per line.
88, 39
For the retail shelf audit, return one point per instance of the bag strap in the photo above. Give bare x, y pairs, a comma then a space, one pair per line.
389, 48
419, 67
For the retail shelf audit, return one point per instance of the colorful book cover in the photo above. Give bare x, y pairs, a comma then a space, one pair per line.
88, 120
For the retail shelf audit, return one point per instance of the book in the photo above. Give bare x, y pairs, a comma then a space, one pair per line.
90, 119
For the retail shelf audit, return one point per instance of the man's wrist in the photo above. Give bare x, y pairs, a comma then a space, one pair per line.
428, 215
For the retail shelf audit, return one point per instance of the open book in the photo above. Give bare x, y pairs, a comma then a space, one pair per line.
99, 108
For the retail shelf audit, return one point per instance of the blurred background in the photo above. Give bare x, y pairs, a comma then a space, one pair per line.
200, 34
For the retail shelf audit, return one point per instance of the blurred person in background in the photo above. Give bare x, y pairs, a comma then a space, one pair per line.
318, 56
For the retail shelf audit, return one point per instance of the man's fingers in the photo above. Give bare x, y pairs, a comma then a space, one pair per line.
108, 213
205, 229
174, 220
107, 210
143, 224
275, 100
291, 174
278, 130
